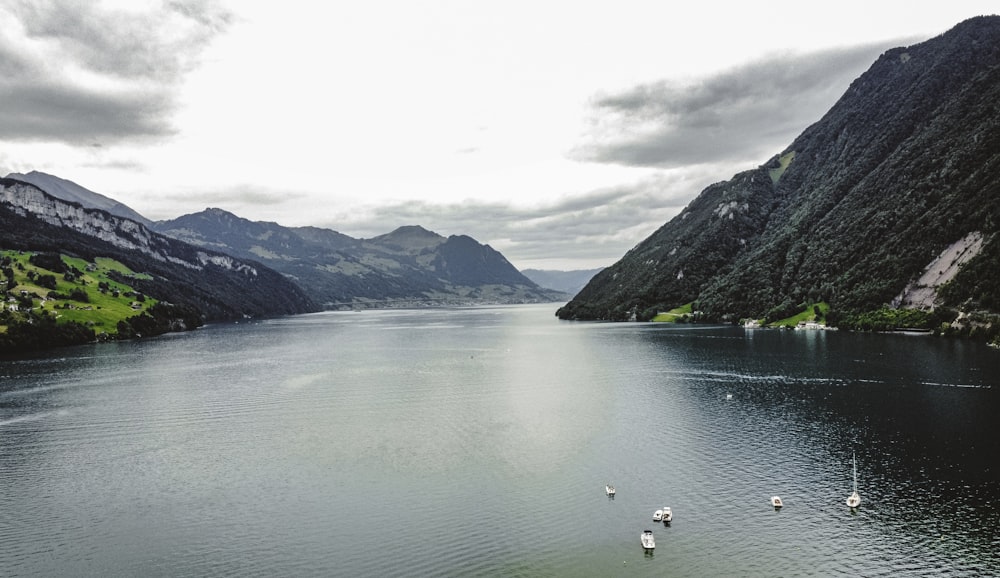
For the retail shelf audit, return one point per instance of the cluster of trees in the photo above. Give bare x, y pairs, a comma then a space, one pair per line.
161, 318
980, 325
75, 294
40, 331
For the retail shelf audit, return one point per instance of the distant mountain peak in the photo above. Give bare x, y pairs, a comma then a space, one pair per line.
217, 212
570, 282
413, 230
409, 265
409, 237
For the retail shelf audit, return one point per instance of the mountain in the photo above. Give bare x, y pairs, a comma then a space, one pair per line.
408, 266
217, 285
888, 202
70, 191
570, 282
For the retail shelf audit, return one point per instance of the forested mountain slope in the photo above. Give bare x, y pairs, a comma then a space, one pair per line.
905, 166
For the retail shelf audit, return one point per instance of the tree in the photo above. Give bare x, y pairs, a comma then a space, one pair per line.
78, 294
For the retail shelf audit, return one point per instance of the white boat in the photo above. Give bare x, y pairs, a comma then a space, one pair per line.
668, 516
658, 515
854, 500
776, 502
647, 540
609, 490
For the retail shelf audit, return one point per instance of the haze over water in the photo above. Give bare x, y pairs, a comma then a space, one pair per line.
477, 442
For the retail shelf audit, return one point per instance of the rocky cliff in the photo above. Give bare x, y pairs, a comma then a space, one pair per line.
219, 285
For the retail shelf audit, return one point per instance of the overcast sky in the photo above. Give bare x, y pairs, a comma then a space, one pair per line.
561, 133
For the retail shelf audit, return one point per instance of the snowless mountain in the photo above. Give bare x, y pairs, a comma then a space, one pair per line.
70, 191
406, 267
218, 286
886, 210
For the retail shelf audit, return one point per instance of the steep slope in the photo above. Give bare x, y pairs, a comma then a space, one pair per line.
218, 285
675, 263
74, 193
903, 167
408, 266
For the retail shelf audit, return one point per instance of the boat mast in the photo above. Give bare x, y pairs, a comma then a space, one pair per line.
854, 462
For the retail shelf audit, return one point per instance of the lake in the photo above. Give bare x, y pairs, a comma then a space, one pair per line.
477, 442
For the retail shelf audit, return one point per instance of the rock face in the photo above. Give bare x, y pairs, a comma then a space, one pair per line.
904, 166
220, 286
922, 293
70, 191
25, 199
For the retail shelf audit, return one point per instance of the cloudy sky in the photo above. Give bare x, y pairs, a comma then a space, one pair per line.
561, 133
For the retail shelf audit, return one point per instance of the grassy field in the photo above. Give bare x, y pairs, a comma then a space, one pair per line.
783, 163
808, 314
107, 301
673, 315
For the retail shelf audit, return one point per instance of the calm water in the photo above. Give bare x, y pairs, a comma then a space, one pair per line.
478, 442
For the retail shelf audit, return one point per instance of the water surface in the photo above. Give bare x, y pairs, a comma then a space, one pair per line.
477, 442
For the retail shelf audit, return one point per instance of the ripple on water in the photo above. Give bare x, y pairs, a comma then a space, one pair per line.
478, 444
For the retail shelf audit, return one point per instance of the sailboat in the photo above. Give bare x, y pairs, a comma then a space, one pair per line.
854, 500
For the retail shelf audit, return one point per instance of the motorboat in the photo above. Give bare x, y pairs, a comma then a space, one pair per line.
658, 516
668, 516
854, 500
609, 490
647, 540
776, 502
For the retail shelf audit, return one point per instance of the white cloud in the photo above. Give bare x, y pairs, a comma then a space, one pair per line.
86, 74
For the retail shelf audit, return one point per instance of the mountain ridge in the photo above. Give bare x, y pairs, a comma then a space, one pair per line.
408, 266
857, 207
405, 267
218, 285
70, 191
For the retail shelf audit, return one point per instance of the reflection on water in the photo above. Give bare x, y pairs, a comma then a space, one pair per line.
478, 442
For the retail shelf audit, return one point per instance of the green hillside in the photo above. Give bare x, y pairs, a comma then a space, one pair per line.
51, 299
